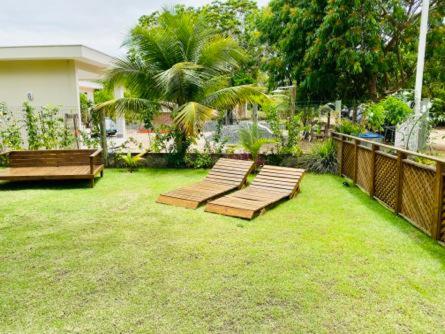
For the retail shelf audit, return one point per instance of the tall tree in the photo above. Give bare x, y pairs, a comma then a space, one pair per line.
181, 63
345, 49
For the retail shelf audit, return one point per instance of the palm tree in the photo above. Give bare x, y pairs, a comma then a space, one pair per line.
182, 64
252, 141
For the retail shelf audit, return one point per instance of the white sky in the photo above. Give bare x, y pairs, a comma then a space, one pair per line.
100, 24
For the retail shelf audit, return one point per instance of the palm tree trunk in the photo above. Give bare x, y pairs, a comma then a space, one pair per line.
255, 113
103, 136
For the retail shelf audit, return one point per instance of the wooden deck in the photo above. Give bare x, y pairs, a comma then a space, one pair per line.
272, 185
53, 165
49, 173
227, 175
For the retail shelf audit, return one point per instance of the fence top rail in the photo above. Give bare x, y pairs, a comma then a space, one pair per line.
338, 135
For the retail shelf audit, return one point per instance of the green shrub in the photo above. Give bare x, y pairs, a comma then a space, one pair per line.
437, 111
10, 135
294, 151
131, 162
46, 129
349, 128
198, 160
375, 117
396, 111
322, 159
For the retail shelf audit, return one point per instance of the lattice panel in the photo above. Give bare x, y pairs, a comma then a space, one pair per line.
348, 160
442, 230
418, 196
338, 151
386, 180
364, 165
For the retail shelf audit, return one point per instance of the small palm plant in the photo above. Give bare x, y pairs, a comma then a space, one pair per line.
132, 162
251, 140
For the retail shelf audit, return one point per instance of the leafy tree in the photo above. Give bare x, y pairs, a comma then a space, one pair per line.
234, 18
181, 64
343, 49
434, 75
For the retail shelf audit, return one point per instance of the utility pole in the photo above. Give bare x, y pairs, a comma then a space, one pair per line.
412, 134
293, 99
421, 57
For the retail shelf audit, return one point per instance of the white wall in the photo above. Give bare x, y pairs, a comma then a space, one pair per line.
49, 81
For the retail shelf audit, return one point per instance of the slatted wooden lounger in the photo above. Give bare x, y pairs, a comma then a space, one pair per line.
272, 185
227, 175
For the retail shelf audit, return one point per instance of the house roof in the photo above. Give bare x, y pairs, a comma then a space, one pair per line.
79, 53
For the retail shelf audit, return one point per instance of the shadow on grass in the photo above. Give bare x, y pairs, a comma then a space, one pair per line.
47, 185
404, 226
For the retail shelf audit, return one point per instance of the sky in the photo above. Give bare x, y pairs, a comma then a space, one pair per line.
100, 24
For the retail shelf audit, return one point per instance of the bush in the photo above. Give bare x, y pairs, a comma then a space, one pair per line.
198, 160
375, 117
437, 111
294, 151
131, 162
10, 135
349, 128
322, 159
388, 112
396, 111
46, 129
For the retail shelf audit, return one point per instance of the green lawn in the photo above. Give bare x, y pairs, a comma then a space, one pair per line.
111, 260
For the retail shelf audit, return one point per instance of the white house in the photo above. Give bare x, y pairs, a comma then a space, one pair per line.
52, 74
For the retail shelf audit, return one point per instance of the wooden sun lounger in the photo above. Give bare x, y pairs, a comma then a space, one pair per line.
227, 175
272, 185
53, 165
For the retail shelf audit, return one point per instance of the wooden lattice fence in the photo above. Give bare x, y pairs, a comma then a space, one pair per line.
414, 191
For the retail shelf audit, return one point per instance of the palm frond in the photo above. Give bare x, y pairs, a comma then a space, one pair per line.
135, 75
192, 116
127, 106
157, 46
180, 80
229, 97
221, 54
250, 139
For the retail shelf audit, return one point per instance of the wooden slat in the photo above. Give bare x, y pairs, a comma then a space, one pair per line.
52, 158
263, 193
230, 211
225, 176
52, 165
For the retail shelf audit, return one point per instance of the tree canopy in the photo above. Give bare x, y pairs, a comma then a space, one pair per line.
344, 49
181, 63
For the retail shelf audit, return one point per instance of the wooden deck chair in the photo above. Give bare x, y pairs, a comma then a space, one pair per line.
271, 186
227, 175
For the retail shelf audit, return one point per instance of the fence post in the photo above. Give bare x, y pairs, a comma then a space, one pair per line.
372, 190
340, 163
438, 209
400, 157
356, 142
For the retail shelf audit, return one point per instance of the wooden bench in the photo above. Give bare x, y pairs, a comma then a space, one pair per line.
227, 175
53, 165
272, 185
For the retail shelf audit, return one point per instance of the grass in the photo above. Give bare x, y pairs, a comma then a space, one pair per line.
108, 260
